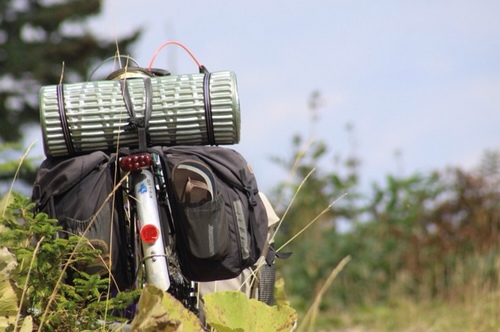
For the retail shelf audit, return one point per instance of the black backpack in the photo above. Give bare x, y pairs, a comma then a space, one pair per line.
76, 191
220, 220
217, 236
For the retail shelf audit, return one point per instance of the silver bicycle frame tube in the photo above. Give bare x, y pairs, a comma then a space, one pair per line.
155, 259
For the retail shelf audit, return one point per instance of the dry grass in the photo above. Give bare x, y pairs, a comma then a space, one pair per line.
472, 306
477, 315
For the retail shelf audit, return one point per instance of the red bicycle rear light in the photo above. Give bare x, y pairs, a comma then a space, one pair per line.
136, 162
149, 233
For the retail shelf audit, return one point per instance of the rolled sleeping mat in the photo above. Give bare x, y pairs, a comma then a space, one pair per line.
190, 109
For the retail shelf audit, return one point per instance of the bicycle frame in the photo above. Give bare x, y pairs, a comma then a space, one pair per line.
153, 248
156, 256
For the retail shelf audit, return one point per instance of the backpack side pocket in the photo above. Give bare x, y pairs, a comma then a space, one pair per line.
206, 228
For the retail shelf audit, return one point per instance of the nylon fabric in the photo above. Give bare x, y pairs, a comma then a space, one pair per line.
77, 192
244, 211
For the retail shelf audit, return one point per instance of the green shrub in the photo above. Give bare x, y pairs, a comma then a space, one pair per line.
43, 262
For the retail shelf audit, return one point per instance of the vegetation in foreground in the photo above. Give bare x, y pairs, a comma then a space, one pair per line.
34, 297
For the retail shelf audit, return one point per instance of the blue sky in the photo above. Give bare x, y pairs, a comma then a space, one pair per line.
417, 76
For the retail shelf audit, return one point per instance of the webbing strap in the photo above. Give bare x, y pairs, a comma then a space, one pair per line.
149, 101
64, 120
142, 129
208, 109
140, 125
126, 98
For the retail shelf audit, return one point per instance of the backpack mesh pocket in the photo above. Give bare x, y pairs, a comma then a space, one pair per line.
207, 228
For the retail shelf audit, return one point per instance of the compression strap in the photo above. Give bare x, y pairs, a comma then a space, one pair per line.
140, 125
64, 120
208, 109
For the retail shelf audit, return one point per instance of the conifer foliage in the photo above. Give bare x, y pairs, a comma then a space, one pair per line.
36, 37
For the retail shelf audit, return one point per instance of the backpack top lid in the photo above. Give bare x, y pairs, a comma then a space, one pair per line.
57, 175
